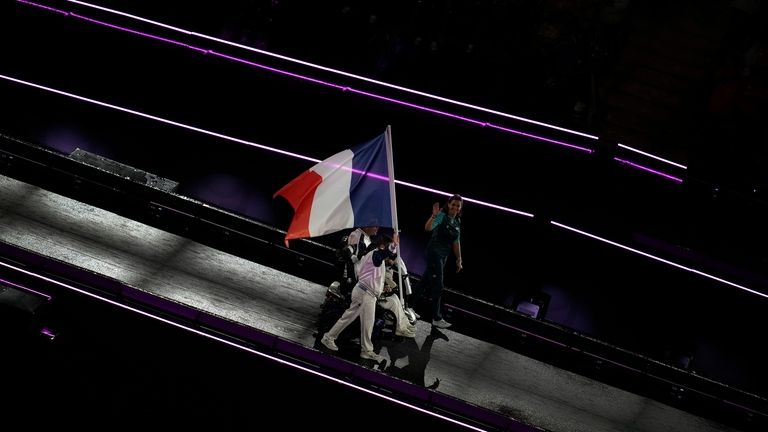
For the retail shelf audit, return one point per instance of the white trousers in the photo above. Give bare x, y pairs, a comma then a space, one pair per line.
364, 306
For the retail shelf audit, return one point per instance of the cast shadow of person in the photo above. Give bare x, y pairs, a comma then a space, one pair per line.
417, 358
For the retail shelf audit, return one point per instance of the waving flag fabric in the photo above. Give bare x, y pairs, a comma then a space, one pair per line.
349, 189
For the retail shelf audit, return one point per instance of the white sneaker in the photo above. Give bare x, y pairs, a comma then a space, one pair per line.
370, 355
329, 343
441, 323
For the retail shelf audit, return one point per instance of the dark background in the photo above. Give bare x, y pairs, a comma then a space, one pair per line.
537, 59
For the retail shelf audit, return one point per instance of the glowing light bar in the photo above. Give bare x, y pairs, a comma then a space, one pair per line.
340, 72
138, 33
23, 288
48, 8
241, 347
336, 71
646, 169
314, 80
237, 140
651, 156
672, 263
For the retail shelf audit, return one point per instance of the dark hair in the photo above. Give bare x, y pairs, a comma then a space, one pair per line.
454, 197
383, 239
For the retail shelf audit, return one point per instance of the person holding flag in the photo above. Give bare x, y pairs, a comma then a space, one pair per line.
369, 287
353, 188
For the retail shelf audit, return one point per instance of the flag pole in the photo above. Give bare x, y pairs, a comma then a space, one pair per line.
395, 227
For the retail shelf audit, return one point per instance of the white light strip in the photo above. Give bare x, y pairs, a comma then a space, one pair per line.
238, 140
336, 71
674, 264
160, 119
250, 350
652, 156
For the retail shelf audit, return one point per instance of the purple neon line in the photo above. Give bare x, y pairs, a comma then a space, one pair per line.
469, 120
136, 32
672, 263
651, 156
573, 146
238, 140
46, 331
105, 24
397, 101
413, 105
280, 71
336, 86
640, 167
244, 348
336, 71
23, 288
48, 8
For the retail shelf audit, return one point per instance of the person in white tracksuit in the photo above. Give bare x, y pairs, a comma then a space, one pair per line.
370, 285
358, 242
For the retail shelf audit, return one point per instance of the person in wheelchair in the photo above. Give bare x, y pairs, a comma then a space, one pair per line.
390, 317
390, 299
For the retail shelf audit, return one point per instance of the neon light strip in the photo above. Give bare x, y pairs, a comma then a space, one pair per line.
47, 332
238, 140
652, 156
23, 288
348, 75
646, 169
336, 71
48, 8
674, 264
244, 348
400, 102
317, 81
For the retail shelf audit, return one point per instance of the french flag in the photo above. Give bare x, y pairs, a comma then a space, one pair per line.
349, 189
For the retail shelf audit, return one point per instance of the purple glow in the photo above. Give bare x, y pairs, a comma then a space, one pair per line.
280, 71
241, 141
421, 107
646, 169
23, 288
324, 83
673, 264
336, 71
573, 146
244, 348
652, 156
45, 331
162, 39
48, 8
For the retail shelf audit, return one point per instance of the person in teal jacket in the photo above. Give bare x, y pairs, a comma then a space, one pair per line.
445, 225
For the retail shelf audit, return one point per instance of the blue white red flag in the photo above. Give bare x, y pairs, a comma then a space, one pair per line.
349, 189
